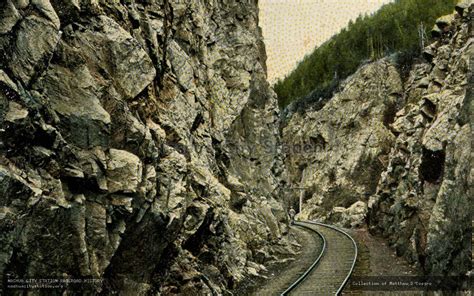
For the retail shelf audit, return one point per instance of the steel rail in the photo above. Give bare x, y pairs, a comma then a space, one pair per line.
355, 251
313, 265
310, 269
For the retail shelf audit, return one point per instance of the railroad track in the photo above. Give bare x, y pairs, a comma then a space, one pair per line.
331, 270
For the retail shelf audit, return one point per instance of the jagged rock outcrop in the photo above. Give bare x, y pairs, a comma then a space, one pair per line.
138, 145
396, 155
336, 154
423, 200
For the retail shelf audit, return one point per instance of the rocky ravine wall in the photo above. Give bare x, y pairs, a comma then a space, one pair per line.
396, 156
131, 145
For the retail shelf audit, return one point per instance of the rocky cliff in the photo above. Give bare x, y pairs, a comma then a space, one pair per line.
423, 199
138, 145
393, 153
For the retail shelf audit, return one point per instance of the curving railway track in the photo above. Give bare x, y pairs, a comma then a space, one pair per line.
329, 273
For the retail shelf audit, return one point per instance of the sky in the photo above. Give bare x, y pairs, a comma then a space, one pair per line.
293, 28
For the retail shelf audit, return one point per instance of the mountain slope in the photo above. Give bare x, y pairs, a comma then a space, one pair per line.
394, 28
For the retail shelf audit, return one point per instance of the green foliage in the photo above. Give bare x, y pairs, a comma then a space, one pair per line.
395, 28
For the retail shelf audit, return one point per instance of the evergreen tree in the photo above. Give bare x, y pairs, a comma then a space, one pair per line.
395, 28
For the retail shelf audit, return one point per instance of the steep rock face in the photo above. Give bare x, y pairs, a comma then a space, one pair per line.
396, 155
139, 145
335, 155
423, 198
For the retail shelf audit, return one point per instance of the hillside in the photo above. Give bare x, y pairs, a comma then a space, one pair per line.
394, 28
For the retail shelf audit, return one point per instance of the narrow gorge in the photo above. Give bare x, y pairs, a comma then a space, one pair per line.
142, 148
394, 152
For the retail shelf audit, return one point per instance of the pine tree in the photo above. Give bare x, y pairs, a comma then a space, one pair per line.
399, 27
